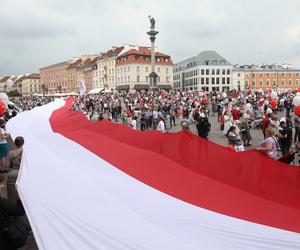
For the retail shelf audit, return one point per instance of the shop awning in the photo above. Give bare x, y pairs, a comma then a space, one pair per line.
95, 90
123, 87
141, 86
164, 86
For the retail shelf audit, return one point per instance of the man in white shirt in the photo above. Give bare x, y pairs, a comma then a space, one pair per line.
134, 123
160, 125
202, 112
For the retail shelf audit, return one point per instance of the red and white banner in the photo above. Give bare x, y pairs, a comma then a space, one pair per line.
105, 186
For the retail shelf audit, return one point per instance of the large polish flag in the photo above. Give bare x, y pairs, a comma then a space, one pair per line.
104, 186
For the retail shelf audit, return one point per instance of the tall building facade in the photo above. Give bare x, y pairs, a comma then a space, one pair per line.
65, 77
54, 78
133, 68
271, 76
105, 75
30, 84
208, 71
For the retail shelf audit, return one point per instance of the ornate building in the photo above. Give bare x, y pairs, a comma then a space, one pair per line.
133, 68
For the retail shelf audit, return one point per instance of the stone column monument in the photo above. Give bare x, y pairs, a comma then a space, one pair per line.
152, 35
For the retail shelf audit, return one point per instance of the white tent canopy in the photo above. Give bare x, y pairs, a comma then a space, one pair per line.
95, 90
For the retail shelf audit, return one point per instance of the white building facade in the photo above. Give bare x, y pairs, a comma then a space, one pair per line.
134, 66
104, 74
208, 71
238, 79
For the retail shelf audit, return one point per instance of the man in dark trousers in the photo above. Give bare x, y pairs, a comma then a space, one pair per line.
203, 127
286, 138
288, 105
7, 211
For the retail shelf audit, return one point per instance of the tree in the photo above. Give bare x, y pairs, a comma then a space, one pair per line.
13, 93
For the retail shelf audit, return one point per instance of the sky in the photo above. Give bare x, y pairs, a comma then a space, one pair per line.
37, 33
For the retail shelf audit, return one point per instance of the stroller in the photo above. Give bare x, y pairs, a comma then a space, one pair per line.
257, 124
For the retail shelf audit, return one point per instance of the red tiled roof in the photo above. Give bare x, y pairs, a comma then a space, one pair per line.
114, 52
143, 56
31, 76
75, 64
5, 78
143, 51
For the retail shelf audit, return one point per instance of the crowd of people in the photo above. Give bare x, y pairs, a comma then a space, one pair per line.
237, 113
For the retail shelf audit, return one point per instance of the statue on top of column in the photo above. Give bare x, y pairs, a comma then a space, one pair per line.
152, 22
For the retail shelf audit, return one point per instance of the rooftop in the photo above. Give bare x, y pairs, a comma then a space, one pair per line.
208, 57
265, 67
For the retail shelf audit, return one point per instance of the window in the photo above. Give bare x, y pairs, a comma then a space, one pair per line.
223, 80
158, 69
239, 75
207, 72
206, 62
228, 80
260, 82
247, 83
275, 83
283, 82
202, 80
282, 74
138, 78
268, 82
218, 72
297, 82
213, 71
207, 81
213, 80
223, 71
202, 71
290, 82
228, 71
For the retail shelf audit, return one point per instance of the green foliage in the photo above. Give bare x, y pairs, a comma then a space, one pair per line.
13, 93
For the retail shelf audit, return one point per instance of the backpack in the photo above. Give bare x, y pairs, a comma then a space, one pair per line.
16, 161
